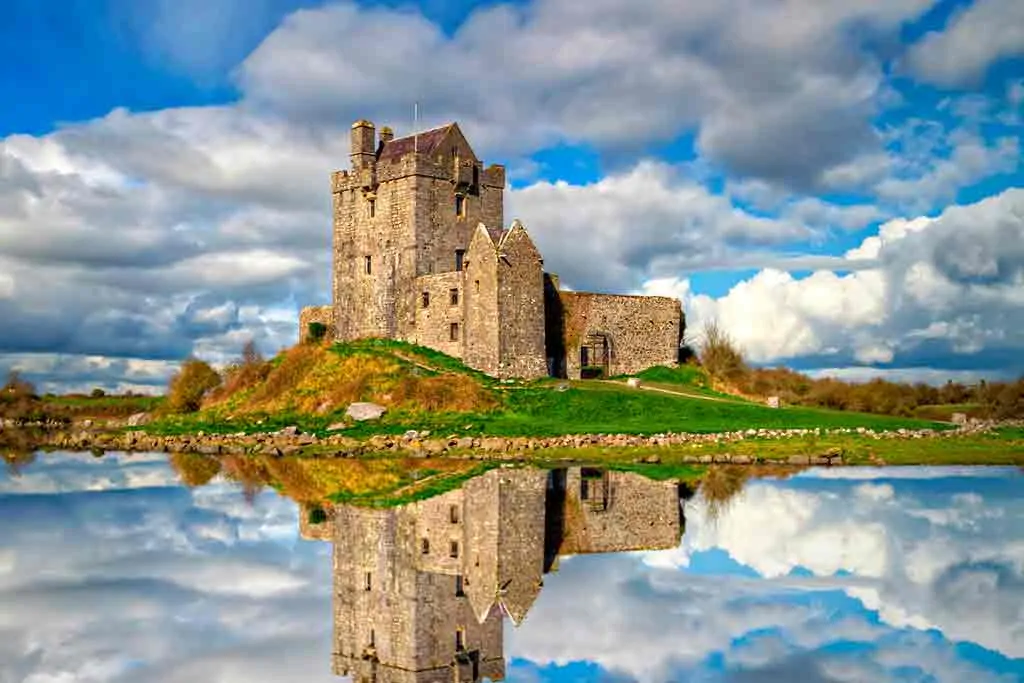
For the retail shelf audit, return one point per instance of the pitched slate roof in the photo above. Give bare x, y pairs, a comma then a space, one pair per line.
425, 142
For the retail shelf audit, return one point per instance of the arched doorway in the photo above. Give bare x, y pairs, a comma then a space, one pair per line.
595, 356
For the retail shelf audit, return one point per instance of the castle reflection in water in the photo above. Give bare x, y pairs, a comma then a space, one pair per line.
421, 591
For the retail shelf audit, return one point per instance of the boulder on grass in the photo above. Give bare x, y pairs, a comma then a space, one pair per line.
365, 411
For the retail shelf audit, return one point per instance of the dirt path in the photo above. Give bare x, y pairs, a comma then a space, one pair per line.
676, 393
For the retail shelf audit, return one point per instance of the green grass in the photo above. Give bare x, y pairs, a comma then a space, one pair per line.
532, 408
412, 492
685, 375
662, 471
1000, 447
585, 408
611, 409
437, 361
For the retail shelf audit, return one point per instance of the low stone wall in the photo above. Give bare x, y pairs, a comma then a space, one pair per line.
292, 442
316, 314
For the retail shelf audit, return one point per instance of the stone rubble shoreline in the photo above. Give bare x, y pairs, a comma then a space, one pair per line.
85, 436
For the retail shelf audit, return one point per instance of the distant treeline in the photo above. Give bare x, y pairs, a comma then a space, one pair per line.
724, 362
19, 401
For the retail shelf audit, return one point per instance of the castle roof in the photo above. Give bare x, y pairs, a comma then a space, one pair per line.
425, 142
497, 234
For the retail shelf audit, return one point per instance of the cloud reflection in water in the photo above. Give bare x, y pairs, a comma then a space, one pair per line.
111, 571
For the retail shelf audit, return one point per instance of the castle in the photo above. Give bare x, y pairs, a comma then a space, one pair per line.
420, 255
421, 591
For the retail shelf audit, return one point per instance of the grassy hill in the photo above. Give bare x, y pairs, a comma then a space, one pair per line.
310, 386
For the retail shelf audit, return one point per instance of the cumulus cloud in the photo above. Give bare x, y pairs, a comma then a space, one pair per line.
975, 37
160, 234
771, 95
191, 230
650, 220
921, 556
953, 284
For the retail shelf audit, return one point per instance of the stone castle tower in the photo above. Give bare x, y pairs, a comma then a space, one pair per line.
420, 255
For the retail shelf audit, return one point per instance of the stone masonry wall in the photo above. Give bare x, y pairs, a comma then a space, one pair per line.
413, 229
643, 331
481, 308
642, 514
434, 321
520, 307
316, 314
378, 302
441, 231
384, 597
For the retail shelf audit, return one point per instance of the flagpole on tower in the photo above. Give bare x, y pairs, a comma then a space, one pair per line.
415, 126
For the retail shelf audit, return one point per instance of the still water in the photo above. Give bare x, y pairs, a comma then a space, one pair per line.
111, 570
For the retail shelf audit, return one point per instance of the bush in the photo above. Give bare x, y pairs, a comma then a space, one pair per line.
189, 385
16, 387
720, 356
247, 372
98, 393
315, 332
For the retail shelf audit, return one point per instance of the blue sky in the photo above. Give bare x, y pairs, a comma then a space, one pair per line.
839, 185
894, 574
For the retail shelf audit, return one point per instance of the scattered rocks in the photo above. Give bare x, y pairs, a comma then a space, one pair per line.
772, 402
365, 411
138, 419
336, 427
291, 440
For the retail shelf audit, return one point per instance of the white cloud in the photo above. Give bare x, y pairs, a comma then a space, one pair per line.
648, 220
552, 72
956, 280
190, 230
923, 557
974, 38
863, 538
156, 584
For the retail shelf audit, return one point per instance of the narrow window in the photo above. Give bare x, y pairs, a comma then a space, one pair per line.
453, 550
476, 284
458, 586
460, 206
460, 258
425, 546
453, 297
453, 332
369, 264
371, 207
426, 299
369, 581
460, 639
453, 514
476, 176
373, 638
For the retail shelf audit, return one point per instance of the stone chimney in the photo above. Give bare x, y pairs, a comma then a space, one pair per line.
386, 134
364, 144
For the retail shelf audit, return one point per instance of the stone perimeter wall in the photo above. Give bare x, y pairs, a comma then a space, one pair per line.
316, 314
643, 331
